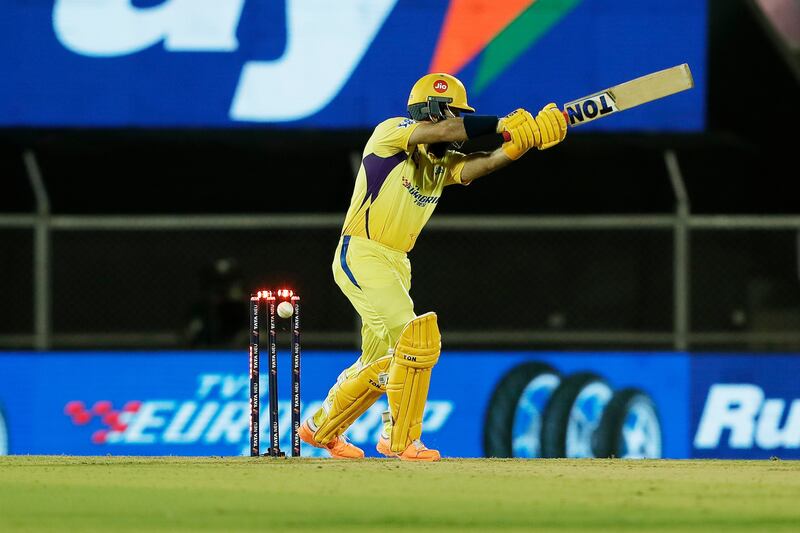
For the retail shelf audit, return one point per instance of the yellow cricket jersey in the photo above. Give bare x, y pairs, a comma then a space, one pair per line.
398, 186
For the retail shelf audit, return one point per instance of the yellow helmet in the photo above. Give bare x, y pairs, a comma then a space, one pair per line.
434, 92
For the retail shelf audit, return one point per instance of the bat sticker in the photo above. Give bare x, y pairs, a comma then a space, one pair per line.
590, 108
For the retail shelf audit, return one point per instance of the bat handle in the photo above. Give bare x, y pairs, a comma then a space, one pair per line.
507, 135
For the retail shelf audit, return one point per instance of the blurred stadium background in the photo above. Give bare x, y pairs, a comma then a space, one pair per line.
158, 162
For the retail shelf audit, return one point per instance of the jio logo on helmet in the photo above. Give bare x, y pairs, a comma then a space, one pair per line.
440, 86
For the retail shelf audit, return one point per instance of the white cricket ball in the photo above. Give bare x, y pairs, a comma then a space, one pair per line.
285, 309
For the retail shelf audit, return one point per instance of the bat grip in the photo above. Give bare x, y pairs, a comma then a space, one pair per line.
507, 135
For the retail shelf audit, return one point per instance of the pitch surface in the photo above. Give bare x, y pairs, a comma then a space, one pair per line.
235, 494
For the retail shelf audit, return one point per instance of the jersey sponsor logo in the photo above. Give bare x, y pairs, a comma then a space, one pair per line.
406, 123
740, 416
420, 200
440, 86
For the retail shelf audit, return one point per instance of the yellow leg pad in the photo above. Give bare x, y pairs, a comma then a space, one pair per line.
415, 354
350, 397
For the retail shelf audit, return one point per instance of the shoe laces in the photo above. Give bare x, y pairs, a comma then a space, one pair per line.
340, 442
419, 445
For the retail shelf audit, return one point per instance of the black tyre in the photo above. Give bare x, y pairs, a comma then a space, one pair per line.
512, 427
630, 427
573, 414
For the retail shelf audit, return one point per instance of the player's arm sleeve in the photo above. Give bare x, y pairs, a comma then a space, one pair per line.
391, 136
454, 161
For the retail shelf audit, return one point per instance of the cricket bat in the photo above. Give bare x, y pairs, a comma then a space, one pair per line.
627, 95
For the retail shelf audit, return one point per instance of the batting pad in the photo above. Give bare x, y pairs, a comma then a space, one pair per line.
415, 354
355, 391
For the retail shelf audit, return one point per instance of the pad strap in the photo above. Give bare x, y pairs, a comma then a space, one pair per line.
355, 392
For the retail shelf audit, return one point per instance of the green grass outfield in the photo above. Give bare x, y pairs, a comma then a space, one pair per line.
234, 494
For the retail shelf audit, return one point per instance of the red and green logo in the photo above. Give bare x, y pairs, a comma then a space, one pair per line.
498, 32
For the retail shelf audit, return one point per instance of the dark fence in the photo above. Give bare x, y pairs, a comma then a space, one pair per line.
156, 282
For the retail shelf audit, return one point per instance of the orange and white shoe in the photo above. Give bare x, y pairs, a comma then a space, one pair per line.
384, 448
416, 451
339, 447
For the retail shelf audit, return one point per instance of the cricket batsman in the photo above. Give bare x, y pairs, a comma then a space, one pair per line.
406, 165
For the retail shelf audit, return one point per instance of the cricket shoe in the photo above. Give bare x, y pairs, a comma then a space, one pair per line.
416, 451
339, 447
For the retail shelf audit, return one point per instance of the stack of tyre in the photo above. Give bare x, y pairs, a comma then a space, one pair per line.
536, 412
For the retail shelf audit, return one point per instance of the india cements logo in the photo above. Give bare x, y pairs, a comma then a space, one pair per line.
420, 200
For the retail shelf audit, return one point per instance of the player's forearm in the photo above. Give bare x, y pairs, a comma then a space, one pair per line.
455, 129
483, 163
450, 130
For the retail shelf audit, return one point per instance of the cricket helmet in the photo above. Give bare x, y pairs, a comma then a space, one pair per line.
434, 93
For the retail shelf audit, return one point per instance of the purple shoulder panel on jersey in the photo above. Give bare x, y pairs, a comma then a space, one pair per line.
377, 169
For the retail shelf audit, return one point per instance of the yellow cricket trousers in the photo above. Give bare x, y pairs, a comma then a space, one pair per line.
376, 279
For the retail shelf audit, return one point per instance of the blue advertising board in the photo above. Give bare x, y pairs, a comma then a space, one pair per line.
746, 406
344, 64
505, 404
196, 403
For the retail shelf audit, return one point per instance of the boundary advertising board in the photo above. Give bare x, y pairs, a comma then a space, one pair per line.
500, 404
